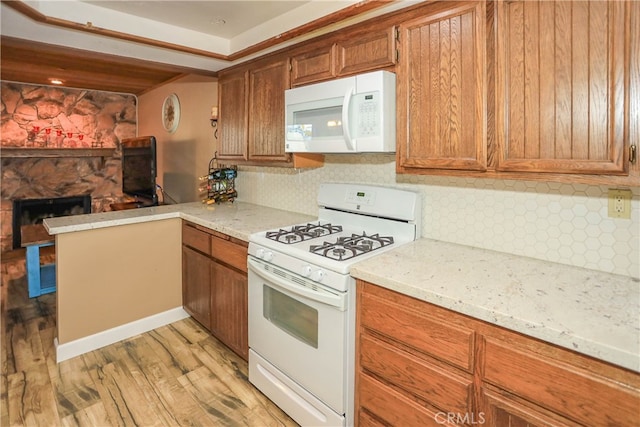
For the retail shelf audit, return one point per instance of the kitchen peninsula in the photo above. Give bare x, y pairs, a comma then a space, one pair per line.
118, 268
119, 273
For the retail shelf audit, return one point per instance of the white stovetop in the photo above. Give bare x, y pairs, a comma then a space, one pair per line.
351, 224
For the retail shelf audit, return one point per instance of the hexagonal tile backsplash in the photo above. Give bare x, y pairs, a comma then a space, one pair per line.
564, 223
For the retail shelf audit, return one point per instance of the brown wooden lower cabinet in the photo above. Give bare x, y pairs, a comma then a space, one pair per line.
381, 404
229, 308
214, 284
196, 285
409, 372
502, 409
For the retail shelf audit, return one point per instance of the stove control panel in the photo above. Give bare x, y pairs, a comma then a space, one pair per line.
264, 254
316, 274
299, 266
361, 197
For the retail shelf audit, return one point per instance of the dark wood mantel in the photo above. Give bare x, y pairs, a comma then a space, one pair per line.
8, 152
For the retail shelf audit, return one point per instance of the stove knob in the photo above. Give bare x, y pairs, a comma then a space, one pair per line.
268, 256
306, 271
318, 275
260, 253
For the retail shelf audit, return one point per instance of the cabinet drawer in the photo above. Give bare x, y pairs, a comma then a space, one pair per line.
231, 253
394, 408
445, 390
402, 319
195, 238
579, 394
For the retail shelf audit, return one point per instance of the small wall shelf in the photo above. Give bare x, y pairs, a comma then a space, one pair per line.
7, 152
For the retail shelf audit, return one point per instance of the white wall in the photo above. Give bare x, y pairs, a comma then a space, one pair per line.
556, 222
183, 155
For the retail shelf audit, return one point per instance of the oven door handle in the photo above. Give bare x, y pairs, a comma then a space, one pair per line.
318, 295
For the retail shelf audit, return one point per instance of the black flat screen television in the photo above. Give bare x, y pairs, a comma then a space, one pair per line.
139, 169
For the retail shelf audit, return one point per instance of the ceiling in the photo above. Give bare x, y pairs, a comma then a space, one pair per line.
135, 46
226, 19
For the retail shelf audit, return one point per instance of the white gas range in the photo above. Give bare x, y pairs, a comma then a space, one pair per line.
302, 299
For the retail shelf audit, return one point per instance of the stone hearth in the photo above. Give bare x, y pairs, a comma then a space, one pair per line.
27, 212
37, 178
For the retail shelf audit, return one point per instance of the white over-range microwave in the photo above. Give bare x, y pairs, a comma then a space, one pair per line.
350, 115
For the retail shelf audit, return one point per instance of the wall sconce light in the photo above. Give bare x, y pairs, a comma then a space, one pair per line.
214, 117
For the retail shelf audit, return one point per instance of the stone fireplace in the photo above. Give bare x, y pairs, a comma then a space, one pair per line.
34, 211
97, 178
60, 143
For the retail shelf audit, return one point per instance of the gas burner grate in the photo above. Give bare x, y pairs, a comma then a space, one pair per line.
300, 233
345, 248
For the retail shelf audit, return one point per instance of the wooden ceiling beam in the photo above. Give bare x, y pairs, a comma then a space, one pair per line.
36, 63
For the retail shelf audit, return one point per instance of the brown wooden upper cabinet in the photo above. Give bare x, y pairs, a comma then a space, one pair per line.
506, 89
366, 49
233, 101
313, 66
442, 90
267, 83
252, 112
561, 86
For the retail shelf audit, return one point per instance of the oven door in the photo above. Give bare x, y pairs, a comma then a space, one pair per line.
300, 328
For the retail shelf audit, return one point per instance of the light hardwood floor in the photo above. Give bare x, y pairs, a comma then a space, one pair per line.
176, 375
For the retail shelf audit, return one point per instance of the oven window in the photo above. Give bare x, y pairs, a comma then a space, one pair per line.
292, 316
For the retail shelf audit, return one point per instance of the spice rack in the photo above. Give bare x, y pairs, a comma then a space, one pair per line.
219, 184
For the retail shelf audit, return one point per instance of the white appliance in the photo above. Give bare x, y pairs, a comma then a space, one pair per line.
350, 115
302, 299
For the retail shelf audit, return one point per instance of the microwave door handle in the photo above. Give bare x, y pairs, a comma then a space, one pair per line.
345, 119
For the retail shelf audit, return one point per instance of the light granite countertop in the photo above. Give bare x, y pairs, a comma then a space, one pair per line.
591, 312
236, 219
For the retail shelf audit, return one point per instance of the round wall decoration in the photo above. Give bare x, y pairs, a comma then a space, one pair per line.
171, 113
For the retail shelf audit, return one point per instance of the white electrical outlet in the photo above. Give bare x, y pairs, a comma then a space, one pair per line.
619, 203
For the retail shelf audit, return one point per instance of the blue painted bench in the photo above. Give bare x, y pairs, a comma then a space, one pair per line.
41, 279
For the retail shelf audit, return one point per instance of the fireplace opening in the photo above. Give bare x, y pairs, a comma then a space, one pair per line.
34, 211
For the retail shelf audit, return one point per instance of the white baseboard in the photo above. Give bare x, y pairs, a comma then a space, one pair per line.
119, 333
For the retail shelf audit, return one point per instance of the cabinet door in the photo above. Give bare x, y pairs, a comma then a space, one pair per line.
561, 86
233, 116
580, 393
196, 278
500, 410
415, 375
379, 401
313, 66
267, 84
229, 315
442, 90
369, 49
